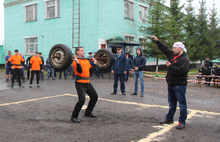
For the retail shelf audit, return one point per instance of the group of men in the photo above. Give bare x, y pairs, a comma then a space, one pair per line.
177, 64
207, 69
14, 65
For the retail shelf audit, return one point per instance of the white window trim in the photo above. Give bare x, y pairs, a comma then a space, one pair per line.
142, 37
32, 3
31, 36
56, 6
129, 35
132, 1
144, 5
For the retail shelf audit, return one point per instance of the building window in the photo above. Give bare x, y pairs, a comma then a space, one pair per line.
52, 9
31, 13
143, 13
142, 42
129, 10
130, 49
30, 45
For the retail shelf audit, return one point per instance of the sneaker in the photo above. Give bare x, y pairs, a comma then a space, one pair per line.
21, 86
30, 86
142, 95
165, 121
38, 85
180, 126
134, 93
12, 86
6, 80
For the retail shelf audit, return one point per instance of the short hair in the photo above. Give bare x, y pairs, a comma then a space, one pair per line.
77, 49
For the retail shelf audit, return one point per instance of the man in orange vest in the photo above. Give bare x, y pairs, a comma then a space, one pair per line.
17, 63
83, 85
35, 68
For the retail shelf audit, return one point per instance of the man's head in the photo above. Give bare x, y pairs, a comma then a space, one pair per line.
129, 53
79, 51
40, 53
178, 48
119, 50
215, 65
94, 54
90, 54
37, 54
207, 58
138, 50
16, 51
9, 52
19, 53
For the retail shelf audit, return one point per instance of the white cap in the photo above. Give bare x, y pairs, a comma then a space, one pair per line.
180, 44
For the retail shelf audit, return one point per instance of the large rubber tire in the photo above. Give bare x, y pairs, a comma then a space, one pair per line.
65, 53
108, 57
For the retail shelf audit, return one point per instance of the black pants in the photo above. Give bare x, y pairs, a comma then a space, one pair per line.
16, 72
28, 72
82, 90
32, 76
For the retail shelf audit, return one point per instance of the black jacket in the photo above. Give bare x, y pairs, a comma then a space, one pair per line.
179, 68
139, 61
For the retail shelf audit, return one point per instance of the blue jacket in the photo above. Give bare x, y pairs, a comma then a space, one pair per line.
120, 64
48, 63
129, 64
139, 61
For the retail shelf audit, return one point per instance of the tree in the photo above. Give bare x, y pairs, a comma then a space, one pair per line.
175, 23
204, 44
191, 30
156, 27
213, 32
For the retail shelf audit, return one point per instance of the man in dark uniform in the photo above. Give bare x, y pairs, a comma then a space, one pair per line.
119, 70
28, 65
208, 65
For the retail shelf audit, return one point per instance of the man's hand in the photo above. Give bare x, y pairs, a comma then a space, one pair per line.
136, 68
27, 65
75, 59
12, 68
22, 67
112, 71
30, 69
155, 38
125, 72
42, 70
168, 64
94, 60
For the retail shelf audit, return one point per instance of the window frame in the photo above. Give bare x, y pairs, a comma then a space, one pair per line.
143, 20
133, 9
143, 47
131, 48
35, 11
28, 48
57, 9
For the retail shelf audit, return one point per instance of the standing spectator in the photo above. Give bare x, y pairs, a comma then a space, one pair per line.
8, 68
50, 70
36, 67
28, 65
208, 65
100, 72
69, 70
129, 66
94, 66
178, 68
22, 70
64, 73
17, 63
91, 63
42, 73
215, 72
139, 64
130, 56
119, 70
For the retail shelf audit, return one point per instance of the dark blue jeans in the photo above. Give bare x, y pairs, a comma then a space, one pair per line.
122, 80
177, 93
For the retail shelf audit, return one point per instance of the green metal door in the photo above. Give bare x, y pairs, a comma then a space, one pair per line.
2, 57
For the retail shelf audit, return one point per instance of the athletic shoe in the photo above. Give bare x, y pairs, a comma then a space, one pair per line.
38, 85
180, 126
30, 86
